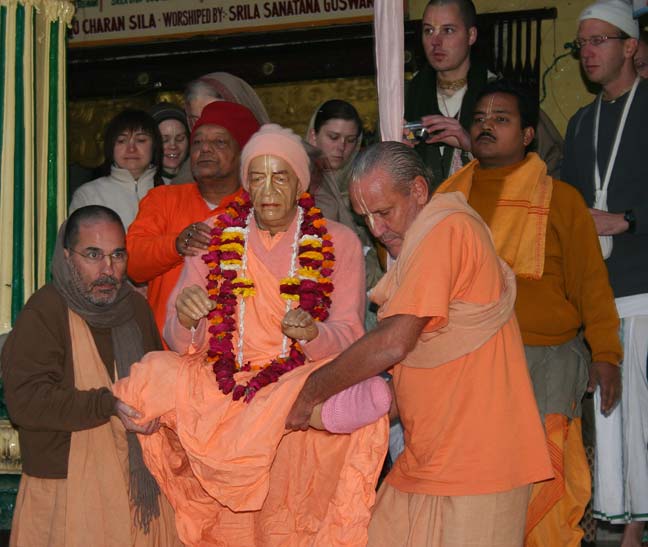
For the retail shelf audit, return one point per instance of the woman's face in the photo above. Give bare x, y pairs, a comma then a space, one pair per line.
175, 144
194, 108
337, 140
273, 187
133, 150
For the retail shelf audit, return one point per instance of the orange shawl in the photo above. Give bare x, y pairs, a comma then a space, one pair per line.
519, 226
469, 325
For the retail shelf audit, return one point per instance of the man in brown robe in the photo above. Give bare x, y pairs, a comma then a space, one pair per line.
84, 481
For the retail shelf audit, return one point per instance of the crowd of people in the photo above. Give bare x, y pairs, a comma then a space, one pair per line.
206, 372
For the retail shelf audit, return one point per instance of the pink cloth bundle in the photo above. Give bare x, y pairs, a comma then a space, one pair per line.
357, 406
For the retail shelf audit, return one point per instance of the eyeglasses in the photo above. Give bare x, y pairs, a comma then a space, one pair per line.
596, 41
96, 257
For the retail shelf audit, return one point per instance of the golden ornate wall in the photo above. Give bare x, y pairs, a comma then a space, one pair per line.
290, 105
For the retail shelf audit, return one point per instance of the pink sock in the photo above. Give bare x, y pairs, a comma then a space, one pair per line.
356, 406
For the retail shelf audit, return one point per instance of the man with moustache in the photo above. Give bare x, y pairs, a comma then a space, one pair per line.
606, 143
442, 94
84, 481
169, 224
543, 230
473, 438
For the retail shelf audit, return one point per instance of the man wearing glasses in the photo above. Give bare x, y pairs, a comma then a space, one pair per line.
605, 150
84, 481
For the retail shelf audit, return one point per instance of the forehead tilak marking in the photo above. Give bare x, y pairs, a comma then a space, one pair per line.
489, 108
365, 210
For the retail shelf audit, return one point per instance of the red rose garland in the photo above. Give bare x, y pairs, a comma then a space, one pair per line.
311, 287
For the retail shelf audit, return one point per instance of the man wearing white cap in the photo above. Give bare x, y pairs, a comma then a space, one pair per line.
603, 159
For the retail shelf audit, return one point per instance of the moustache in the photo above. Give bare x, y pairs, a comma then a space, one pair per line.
105, 280
486, 134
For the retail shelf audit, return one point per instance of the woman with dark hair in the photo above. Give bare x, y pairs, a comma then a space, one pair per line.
172, 123
133, 165
335, 130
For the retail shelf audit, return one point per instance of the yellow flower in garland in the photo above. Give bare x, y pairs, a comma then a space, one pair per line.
291, 282
308, 273
313, 255
244, 287
233, 247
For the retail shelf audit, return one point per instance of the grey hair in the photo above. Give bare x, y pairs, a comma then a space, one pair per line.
199, 88
401, 163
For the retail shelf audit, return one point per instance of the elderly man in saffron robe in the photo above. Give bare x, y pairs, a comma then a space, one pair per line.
280, 292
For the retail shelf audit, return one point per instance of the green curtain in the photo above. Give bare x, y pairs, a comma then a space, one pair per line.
33, 144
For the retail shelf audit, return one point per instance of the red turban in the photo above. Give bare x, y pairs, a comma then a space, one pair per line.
238, 120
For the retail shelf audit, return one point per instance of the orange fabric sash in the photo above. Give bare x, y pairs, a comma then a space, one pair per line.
469, 325
97, 493
519, 226
557, 505
98, 508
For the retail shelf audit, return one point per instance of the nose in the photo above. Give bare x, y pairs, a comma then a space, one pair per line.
172, 144
434, 38
377, 226
586, 51
107, 266
267, 188
487, 123
131, 144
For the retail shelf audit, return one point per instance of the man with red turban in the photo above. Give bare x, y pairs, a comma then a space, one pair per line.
169, 224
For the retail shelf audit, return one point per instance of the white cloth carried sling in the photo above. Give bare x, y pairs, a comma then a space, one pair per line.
601, 187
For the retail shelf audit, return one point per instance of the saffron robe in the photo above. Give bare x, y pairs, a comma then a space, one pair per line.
231, 471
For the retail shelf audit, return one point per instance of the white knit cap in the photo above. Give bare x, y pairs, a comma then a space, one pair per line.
615, 12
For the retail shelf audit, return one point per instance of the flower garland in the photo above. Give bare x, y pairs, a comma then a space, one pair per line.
308, 283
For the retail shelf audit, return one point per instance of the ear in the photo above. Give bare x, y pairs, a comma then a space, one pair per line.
529, 135
420, 190
630, 47
66, 253
472, 35
311, 137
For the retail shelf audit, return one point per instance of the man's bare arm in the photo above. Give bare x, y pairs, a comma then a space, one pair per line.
378, 350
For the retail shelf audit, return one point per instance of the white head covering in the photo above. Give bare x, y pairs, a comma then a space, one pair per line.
615, 12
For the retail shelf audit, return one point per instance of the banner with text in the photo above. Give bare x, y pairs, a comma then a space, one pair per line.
107, 21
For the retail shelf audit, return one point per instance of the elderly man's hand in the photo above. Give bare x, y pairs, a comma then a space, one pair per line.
445, 130
300, 413
127, 414
192, 304
193, 240
299, 325
607, 376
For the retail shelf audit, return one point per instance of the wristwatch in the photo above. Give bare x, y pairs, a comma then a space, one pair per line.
630, 218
